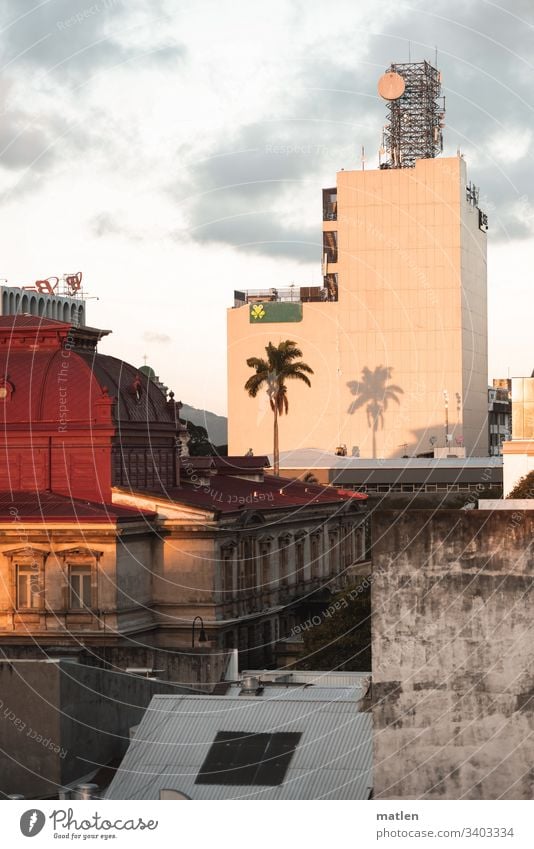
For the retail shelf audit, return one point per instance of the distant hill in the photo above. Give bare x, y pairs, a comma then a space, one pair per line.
217, 426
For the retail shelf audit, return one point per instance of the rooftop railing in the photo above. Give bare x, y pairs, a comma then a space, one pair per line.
293, 294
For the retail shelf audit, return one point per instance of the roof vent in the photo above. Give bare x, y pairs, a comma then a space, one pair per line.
251, 686
86, 791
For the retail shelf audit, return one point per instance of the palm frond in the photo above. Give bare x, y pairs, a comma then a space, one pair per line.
254, 384
258, 363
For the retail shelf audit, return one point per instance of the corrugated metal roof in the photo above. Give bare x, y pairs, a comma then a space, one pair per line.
305, 693
319, 677
332, 761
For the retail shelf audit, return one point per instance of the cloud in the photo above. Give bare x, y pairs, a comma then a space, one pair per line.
71, 39
247, 185
24, 139
105, 224
247, 195
156, 338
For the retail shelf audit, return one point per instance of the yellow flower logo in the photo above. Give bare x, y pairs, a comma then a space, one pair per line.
257, 311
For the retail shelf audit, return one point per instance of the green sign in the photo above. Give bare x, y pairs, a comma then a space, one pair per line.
269, 312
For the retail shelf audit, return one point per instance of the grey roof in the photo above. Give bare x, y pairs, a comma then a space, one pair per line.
296, 683
354, 471
308, 458
305, 693
333, 759
320, 678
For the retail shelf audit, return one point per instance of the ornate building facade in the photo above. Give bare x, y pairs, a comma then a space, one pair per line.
114, 541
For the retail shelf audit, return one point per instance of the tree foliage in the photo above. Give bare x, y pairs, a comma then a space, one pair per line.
342, 640
524, 488
199, 443
271, 373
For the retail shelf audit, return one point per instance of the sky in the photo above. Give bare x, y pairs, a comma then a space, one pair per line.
175, 151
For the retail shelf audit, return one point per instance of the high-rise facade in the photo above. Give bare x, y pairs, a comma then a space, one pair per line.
397, 336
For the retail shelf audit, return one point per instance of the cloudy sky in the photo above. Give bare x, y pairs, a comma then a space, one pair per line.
141, 143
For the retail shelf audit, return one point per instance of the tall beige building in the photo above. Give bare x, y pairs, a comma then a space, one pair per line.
397, 336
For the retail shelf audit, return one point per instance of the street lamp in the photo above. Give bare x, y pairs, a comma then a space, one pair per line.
446, 400
202, 638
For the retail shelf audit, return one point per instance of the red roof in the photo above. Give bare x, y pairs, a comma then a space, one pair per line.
235, 465
17, 321
43, 359
48, 506
227, 494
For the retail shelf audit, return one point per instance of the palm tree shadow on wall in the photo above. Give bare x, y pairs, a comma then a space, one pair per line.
374, 391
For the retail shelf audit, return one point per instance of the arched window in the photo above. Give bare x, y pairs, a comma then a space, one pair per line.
5, 304
66, 312
41, 306
24, 304
33, 305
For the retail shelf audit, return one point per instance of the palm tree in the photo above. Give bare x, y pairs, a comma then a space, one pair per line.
272, 373
373, 391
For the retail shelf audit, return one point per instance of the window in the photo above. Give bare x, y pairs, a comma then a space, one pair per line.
28, 587
227, 572
315, 544
283, 544
330, 245
243, 759
250, 566
329, 204
6, 389
80, 594
333, 553
347, 546
299, 559
265, 566
331, 286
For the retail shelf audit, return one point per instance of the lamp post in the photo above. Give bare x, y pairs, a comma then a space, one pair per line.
446, 400
202, 638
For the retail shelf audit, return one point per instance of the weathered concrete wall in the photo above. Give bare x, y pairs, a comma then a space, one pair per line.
61, 720
453, 665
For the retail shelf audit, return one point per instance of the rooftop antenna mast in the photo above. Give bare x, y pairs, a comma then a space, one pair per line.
416, 113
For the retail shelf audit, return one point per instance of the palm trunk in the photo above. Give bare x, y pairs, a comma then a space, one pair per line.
375, 428
276, 450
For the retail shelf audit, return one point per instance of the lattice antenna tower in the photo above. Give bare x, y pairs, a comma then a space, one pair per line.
416, 116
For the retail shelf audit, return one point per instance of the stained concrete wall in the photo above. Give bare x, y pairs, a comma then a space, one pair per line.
453, 667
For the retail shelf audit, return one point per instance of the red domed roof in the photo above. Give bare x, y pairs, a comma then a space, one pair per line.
43, 362
75, 421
